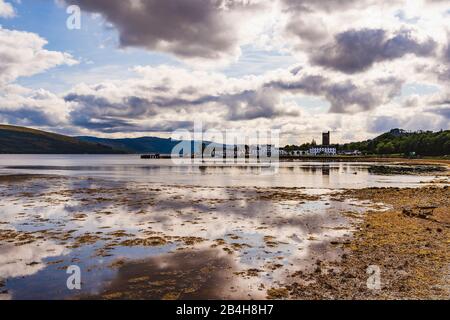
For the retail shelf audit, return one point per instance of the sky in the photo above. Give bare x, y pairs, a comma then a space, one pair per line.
150, 67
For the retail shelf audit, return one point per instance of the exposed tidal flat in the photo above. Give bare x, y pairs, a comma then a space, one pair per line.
142, 229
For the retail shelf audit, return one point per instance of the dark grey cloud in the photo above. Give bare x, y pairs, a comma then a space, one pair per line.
445, 75
111, 124
443, 111
442, 101
96, 106
99, 113
192, 29
306, 30
441, 107
447, 51
247, 104
310, 84
27, 116
254, 104
357, 50
343, 96
382, 124
129, 127
307, 19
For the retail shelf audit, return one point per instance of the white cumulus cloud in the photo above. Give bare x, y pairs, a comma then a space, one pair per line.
6, 10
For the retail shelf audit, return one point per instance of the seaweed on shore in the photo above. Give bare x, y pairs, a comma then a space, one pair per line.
396, 169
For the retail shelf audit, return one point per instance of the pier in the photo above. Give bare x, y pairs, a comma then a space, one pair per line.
151, 156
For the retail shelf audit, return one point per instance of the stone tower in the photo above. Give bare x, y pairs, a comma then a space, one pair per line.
326, 138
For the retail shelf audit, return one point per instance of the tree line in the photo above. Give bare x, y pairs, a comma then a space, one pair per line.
397, 141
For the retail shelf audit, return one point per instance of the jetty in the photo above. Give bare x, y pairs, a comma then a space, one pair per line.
156, 156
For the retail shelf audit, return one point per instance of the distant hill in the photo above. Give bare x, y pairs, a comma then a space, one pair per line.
20, 140
398, 141
145, 144
136, 145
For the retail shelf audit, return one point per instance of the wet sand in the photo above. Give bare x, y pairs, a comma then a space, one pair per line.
187, 275
158, 241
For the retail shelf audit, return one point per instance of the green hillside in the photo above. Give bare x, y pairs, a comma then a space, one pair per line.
397, 141
20, 140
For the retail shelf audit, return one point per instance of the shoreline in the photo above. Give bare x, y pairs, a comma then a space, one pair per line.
408, 243
337, 158
403, 231
400, 160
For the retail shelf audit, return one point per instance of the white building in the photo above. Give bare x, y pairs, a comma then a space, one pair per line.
351, 152
323, 150
293, 153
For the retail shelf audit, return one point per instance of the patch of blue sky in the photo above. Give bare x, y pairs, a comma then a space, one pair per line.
420, 89
310, 104
402, 17
95, 46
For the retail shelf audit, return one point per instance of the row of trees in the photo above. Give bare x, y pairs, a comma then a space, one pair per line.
303, 147
397, 141
426, 143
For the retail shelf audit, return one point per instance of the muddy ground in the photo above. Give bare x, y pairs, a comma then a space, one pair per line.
410, 244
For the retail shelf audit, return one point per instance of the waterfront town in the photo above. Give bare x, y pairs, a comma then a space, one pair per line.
269, 151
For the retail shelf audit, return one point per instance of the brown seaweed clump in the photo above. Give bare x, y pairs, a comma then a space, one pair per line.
146, 242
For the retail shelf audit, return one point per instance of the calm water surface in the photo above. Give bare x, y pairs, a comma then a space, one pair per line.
132, 168
150, 229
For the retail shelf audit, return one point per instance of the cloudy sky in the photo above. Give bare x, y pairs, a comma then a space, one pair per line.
148, 67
